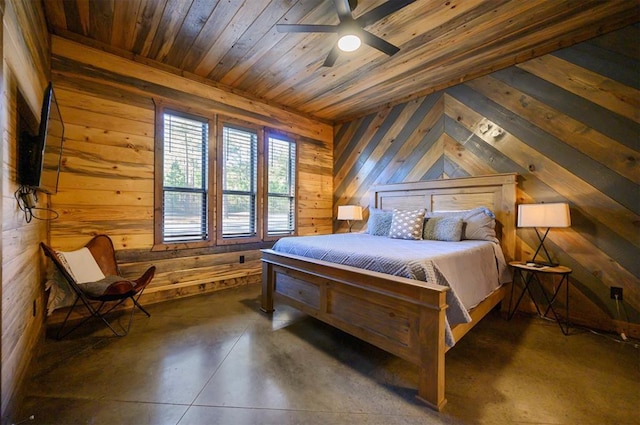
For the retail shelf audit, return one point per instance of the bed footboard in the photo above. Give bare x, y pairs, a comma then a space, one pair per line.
392, 313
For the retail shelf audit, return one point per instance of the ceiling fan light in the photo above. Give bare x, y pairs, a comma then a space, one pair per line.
349, 43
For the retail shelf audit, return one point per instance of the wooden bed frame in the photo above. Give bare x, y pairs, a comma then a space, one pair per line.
393, 313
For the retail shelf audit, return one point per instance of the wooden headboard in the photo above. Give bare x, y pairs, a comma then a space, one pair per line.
496, 192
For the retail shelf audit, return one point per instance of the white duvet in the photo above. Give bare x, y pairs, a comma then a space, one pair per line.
472, 268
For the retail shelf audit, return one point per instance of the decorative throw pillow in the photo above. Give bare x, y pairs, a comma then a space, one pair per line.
478, 223
81, 265
407, 224
379, 222
99, 287
443, 229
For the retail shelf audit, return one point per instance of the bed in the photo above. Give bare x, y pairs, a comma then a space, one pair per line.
398, 314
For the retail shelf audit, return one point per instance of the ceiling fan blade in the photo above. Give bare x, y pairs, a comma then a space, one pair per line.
332, 56
378, 43
344, 10
381, 11
306, 28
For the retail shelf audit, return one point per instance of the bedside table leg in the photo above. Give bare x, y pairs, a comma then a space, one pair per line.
526, 282
564, 328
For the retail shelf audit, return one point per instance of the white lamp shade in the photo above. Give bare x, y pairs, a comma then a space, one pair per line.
544, 215
349, 212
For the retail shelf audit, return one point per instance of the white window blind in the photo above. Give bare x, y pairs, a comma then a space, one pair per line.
281, 180
185, 179
239, 181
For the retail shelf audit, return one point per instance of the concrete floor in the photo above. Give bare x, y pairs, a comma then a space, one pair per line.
215, 359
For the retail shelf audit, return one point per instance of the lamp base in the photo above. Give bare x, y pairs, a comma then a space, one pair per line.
548, 263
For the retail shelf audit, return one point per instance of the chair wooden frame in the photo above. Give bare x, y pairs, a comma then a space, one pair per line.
102, 249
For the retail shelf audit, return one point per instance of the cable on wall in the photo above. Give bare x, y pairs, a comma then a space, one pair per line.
27, 199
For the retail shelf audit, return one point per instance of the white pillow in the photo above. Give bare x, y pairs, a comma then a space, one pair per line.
81, 265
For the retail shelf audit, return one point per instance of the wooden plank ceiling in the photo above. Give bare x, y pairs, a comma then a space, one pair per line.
235, 44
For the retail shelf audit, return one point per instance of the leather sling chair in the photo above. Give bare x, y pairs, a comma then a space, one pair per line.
94, 276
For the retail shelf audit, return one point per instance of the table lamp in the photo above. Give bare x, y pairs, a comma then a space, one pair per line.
544, 215
349, 213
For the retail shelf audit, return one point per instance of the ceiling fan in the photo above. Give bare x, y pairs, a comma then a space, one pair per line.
352, 30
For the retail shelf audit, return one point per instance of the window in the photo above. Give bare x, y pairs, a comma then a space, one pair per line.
281, 185
221, 182
184, 185
238, 158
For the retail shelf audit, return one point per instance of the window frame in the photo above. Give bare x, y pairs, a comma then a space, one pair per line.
269, 132
158, 238
214, 178
259, 213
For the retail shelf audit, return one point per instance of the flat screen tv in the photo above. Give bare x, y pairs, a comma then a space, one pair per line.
39, 155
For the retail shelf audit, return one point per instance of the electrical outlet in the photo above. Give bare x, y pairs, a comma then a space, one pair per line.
616, 293
241, 259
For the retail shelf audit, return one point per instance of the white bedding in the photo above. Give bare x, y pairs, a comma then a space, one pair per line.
472, 268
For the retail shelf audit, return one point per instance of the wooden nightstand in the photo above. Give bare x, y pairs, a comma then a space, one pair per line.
529, 274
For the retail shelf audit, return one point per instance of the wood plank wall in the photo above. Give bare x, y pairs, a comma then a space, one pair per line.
567, 122
106, 184
2, 179
25, 73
